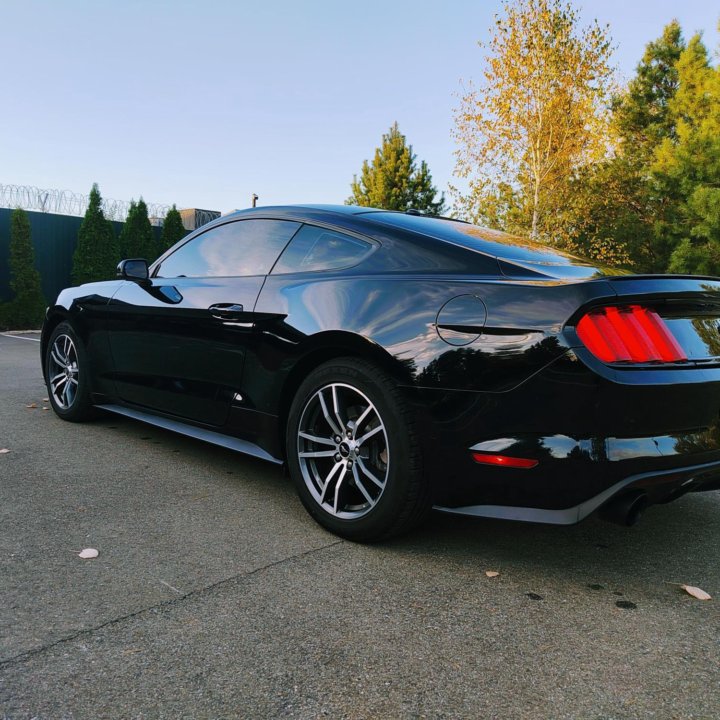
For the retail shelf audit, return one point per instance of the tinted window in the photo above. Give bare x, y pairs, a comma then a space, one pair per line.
315, 248
491, 242
245, 247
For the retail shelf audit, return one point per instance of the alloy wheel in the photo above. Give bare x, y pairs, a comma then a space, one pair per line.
63, 372
343, 451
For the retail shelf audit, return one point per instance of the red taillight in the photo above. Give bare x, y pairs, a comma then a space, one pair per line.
628, 334
504, 460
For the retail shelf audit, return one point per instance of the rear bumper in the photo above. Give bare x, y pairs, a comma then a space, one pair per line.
594, 438
655, 486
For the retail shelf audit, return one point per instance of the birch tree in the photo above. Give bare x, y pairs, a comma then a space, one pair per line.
541, 112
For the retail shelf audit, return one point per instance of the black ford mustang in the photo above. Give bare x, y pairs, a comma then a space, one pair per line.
397, 362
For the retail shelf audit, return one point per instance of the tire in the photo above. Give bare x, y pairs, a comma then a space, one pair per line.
66, 375
354, 453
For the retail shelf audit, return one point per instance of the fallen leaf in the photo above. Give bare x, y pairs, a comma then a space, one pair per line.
492, 573
45, 408
88, 553
4, 451
31, 405
696, 592
46, 399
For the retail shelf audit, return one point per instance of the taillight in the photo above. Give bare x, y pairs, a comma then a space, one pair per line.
631, 334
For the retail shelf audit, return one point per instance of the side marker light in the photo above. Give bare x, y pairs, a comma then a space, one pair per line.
504, 461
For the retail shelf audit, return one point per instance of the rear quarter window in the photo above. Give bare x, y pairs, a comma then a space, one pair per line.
314, 248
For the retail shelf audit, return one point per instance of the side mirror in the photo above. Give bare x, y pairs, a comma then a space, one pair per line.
136, 269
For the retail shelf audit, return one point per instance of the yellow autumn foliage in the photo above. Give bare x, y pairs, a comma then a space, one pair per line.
541, 112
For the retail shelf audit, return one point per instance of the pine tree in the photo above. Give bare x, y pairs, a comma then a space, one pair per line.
96, 255
393, 181
27, 308
173, 229
137, 239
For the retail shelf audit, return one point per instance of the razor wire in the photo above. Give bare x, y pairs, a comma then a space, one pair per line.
65, 202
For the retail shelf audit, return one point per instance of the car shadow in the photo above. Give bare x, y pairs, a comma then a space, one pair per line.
676, 542
671, 543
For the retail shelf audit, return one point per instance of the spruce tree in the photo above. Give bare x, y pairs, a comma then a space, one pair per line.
661, 192
393, 181
137, 239
642, 113
27, 308
644, 121
616, 210
687, 166
96, 255
173, 229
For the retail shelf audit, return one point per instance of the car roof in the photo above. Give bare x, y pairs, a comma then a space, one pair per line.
515, 253
293, 210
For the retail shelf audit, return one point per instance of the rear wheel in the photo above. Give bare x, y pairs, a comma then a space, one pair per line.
354, 453
67, 375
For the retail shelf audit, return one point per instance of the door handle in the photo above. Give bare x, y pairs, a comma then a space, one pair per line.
226, 311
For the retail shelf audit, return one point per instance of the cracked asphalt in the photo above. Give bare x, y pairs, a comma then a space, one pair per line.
215, 596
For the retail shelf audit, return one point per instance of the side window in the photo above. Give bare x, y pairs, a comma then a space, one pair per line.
243, 247
315, 248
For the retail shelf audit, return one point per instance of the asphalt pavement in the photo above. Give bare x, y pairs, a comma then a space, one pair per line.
214, 595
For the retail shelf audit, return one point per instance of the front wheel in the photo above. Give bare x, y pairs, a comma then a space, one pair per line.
66, 371
354, 453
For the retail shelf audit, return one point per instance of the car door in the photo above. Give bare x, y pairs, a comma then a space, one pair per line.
179, 339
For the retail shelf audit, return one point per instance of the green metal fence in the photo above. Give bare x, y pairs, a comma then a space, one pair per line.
54, 238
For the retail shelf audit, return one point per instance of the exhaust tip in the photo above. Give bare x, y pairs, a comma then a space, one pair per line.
625, 510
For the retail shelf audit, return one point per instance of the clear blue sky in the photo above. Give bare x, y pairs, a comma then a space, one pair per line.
204, 103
